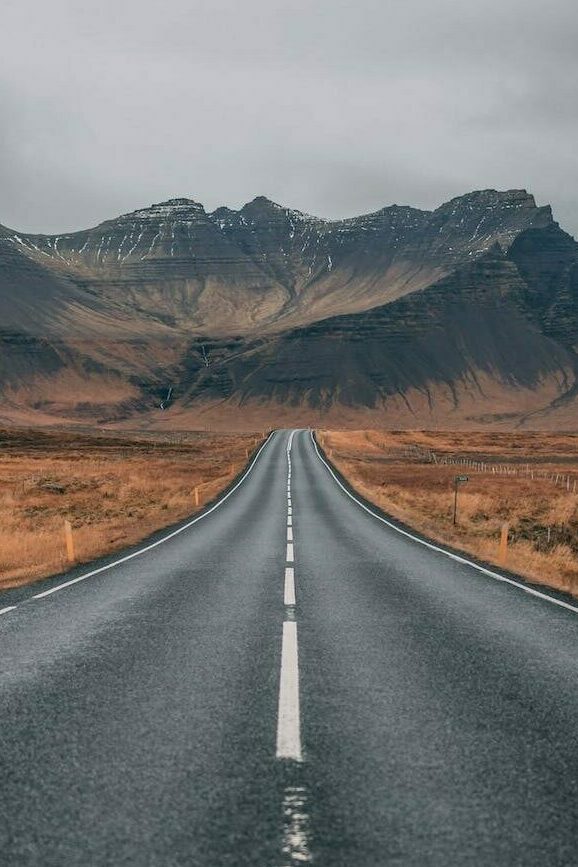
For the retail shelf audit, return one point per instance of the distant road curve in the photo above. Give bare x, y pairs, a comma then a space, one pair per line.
289, 677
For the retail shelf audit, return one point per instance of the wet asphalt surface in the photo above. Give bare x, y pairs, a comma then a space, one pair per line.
138, 708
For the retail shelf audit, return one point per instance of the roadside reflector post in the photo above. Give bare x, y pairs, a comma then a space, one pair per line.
503, 552
69, 541
196, 495
458, 480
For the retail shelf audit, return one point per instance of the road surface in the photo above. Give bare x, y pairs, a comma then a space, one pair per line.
287, 680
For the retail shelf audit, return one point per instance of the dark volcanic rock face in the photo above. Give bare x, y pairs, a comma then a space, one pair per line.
298, 248
270, 267
377, 256
33, 296
547, 260
270, 305
169, 263
177, 232
474, 322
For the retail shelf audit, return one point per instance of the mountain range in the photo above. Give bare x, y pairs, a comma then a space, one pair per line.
466, 315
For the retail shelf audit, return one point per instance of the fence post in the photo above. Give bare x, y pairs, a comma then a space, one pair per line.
69, 541
503, 552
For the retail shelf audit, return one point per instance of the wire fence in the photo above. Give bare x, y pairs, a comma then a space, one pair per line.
527, 471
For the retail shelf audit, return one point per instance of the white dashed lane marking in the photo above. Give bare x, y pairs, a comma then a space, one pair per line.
289, 586
288, 719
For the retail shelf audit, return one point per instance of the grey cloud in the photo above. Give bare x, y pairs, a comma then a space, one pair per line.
333, 107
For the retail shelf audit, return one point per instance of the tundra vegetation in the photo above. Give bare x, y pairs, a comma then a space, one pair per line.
114, 491
528, 481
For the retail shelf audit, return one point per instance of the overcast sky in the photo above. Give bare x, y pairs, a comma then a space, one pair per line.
332, 107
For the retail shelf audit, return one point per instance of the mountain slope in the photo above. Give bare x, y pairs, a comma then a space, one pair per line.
466, 330
266, 312
351, 265
169, 263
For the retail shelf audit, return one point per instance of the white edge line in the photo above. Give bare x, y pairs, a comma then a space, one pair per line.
159, 541
495, 575
7, 609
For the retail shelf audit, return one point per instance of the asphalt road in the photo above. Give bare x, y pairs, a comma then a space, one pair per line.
287, 680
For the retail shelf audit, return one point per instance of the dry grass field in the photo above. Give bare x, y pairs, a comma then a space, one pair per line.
526, 480
114, 491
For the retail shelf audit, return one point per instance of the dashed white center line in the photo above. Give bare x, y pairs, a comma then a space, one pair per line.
295, 814
288, 719
289, 597
296, 826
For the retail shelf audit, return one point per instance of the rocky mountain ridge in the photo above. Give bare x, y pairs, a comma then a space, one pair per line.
175, 262
266, 306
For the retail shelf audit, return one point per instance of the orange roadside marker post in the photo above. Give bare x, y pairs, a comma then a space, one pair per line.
69, 541
503, 552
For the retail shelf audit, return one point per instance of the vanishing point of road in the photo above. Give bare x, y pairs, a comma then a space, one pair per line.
287, 679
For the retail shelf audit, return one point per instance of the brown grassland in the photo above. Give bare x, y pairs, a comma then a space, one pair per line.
397, 471
114, 491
